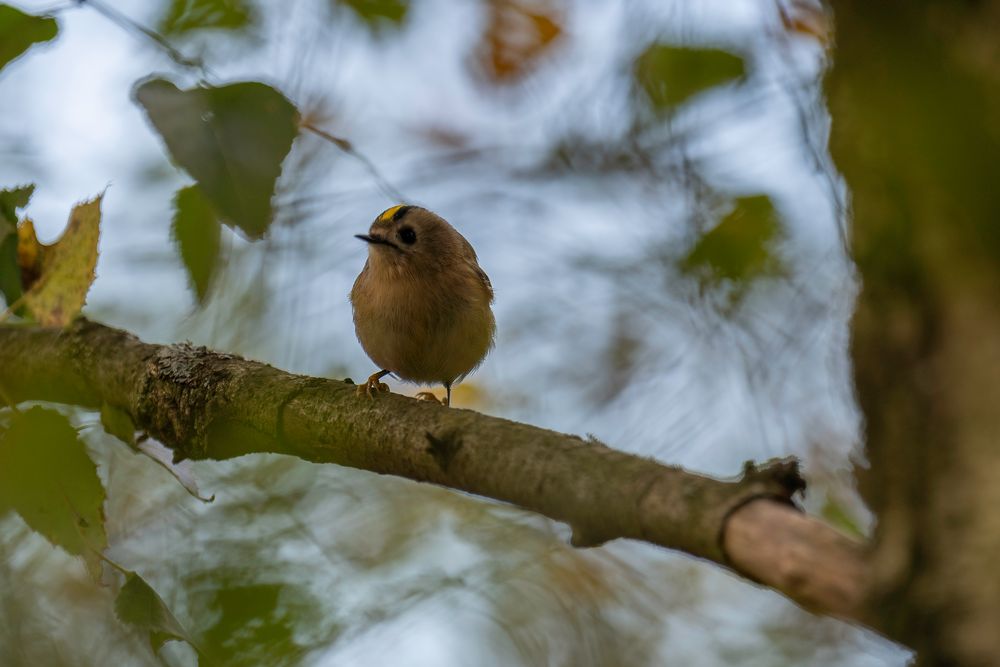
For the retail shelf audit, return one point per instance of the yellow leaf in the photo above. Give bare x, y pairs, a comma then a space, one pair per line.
30, 254
518, 33
67, 269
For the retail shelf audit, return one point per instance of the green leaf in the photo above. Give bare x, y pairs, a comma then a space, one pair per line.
375, 13
68, 269
12, 199
140, 606
118, 423
231, 139
18, 31
669, 75
48, 478
188, 15
10, 273
196, 231
739, 248
254, 623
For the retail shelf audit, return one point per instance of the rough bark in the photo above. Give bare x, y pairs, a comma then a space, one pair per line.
915, 96
204, 404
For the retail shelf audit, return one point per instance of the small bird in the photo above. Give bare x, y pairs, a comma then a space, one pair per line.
421, 303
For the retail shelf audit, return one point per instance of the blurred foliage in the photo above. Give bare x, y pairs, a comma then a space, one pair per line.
185, 16
837, 515
232, 139
140, 606
10, 272
19, 31
669, 75
621, 357
197, 232
62, 272
740, 248
377, 13
256, 624
935, 101
30, 253
118, 423
47, 476
517, 34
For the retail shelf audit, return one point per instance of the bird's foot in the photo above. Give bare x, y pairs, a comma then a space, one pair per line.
372, 386
428, 396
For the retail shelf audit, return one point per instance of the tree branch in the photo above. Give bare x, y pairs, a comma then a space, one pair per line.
207, 405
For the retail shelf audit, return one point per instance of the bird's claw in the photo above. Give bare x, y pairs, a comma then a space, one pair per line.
372, 386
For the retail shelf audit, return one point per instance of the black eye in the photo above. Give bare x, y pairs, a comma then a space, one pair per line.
407, 235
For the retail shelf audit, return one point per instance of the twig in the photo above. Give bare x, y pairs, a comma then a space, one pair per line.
343, 144
131, 25
18, 302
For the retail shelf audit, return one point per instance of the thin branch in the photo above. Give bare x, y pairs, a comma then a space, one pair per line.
343, 144
131, 25
207, 405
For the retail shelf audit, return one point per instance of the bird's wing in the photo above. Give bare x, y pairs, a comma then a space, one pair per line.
474, 264
485, 280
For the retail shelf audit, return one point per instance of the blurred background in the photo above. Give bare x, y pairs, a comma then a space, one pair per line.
648, 187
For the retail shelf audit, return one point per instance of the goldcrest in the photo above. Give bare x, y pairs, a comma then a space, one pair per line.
421, 302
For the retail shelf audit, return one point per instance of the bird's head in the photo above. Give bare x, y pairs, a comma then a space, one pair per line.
412, 238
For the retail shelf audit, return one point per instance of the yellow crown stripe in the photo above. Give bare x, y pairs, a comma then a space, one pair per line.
387, 214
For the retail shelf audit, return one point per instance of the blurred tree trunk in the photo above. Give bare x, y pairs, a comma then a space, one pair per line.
915, 99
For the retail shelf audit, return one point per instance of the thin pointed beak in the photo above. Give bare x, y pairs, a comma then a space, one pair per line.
376, 240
